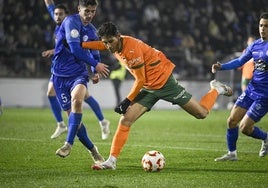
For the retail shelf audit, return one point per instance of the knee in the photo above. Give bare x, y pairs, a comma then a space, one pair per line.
232, 122
77, 103
126, 121
201, 115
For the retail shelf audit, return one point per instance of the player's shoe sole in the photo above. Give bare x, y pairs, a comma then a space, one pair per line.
60, 130
227, 157
264, 148
103, 166
221, 88
64, 151
96, 156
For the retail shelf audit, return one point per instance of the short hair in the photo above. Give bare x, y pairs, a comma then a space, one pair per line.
86, 3
108, 29
264, 15
63, 7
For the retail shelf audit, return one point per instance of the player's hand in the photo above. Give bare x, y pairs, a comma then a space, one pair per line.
102, 69
215, 67
95, 78
47, 53
122, 107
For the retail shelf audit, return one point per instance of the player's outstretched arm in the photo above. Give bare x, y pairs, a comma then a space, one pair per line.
94, 45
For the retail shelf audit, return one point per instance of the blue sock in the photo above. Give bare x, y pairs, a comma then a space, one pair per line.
83, 137
74, 122
94, 105
232, 136
55, 107
258, 133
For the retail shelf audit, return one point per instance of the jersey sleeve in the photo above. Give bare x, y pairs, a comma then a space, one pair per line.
238, 62
137, 69
94, 45
50, 9
72, 32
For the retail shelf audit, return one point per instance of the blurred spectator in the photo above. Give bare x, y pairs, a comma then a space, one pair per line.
217, 28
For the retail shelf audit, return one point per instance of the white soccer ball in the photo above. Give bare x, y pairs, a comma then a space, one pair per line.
153, 161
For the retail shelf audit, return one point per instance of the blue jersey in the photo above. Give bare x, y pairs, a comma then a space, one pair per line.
50, 9
258, 86
70, 58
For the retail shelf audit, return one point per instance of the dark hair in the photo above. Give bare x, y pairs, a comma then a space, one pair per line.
63, 7
108, 29
86, 3
264, 15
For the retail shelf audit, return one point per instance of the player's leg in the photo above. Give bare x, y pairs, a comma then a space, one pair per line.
56, 110
121, 135
85, 140
104, 123
237, 113
247, 126
74, 105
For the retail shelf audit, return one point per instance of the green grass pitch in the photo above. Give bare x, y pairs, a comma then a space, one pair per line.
27, 154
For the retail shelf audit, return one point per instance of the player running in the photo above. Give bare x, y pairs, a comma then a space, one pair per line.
58, 13
152, 71
251, 105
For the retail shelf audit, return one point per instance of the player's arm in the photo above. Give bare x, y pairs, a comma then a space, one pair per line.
94, 45
48, 53
79, 53
49, 2
233, 64
50, 7
139, 75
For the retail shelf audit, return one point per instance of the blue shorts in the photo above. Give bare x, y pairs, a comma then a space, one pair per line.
64, 86
256, 109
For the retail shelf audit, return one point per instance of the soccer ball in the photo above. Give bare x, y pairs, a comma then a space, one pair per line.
153, 161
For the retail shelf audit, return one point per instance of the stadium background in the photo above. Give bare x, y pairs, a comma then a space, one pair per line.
192, 33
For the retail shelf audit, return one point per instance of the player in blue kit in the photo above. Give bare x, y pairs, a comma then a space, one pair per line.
252, 104
58, 13
70, 74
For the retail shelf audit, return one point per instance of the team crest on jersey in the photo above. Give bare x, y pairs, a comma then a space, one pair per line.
74, 33
85, 38
258, 106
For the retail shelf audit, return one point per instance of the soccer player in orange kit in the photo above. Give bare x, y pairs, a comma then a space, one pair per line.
152, 71
247, 69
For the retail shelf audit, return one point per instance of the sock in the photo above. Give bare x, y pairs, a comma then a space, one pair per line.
209, 99
74, 122
55, 107
112, 159
231, 137
119, 140
258, 133
94, 105
83, 137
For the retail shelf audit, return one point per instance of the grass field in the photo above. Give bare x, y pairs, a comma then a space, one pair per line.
27, 154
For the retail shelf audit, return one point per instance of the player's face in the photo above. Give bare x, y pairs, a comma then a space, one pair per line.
87, 13
112, 43
263, 29
59, 15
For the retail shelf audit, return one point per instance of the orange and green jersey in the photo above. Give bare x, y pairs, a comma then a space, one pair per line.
149, 66
247, 69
